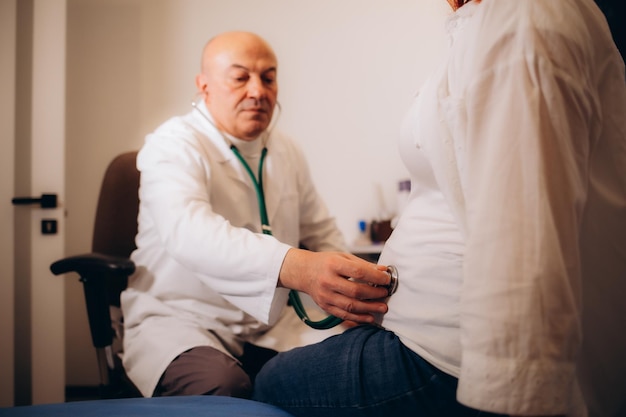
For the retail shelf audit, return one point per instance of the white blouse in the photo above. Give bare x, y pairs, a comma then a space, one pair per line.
511, 250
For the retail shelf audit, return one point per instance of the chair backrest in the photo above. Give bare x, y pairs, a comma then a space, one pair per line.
114, 233
115, 224
118, 204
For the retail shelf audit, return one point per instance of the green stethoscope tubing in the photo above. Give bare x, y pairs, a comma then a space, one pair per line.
294, 298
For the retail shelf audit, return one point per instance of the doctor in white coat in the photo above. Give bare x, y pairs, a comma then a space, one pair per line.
209, 283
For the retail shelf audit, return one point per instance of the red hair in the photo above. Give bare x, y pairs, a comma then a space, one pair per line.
458, 3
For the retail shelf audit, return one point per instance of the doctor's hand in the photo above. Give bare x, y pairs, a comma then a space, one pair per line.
324, 276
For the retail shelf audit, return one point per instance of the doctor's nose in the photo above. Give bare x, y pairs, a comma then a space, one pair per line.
258, 88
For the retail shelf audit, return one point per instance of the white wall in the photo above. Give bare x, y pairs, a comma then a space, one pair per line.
348, 70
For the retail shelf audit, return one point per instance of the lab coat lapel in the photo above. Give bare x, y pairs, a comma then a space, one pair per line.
275, 171
234, 169
227, 159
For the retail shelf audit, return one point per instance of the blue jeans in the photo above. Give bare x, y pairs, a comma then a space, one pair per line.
366, 371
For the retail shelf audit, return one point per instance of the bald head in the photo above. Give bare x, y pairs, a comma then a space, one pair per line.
238, 81
229, 42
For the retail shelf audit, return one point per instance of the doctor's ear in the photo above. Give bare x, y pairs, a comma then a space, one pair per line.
201, 84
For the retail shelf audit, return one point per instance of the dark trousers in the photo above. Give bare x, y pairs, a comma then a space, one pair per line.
207, 371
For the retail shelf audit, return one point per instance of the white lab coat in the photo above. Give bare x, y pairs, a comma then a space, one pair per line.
205, 275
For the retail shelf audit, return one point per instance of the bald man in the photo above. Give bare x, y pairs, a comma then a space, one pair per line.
208, 303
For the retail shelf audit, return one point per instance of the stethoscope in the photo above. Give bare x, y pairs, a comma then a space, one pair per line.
294, 296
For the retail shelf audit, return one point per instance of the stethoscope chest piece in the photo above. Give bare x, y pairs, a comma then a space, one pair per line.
393, 280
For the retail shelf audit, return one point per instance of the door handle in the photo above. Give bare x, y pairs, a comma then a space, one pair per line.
45, 201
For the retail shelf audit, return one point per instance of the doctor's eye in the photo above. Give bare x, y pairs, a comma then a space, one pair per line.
269, 77
238, 77
241, 79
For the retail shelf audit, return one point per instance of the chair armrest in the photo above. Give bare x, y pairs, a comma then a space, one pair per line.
103, 277
94, 264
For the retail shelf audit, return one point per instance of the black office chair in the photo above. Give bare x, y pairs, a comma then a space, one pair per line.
105, 271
